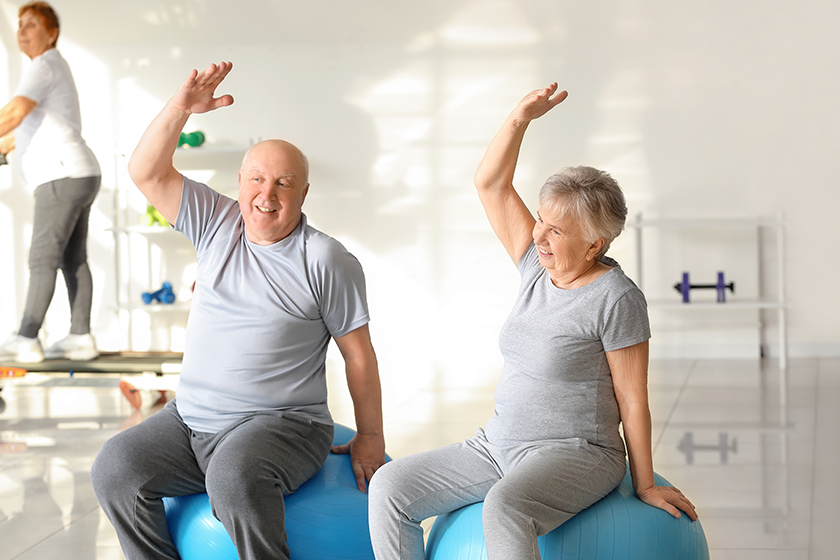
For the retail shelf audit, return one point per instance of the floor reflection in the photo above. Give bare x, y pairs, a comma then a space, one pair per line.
746, 444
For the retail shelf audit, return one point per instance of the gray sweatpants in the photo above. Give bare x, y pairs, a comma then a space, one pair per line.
59, 241
246, 470
528, 490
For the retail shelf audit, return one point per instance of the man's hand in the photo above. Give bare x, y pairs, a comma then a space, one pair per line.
367, 453
150, 166
196, 93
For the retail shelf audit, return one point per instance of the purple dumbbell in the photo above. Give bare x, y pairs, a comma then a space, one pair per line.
685, 287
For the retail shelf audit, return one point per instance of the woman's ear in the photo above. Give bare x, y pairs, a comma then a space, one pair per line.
595, 248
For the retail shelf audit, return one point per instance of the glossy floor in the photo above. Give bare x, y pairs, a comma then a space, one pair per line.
759, 463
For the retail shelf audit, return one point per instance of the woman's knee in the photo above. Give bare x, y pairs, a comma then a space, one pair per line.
504, 503
387, 484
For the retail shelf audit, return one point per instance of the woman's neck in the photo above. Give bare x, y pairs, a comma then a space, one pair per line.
579, 278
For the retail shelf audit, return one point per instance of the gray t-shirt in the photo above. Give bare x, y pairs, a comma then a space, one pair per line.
556, 382
261, 316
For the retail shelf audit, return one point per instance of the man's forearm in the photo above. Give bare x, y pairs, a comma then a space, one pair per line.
366, 393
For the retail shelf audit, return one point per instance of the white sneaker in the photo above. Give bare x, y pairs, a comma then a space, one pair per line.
22, 349
80, 347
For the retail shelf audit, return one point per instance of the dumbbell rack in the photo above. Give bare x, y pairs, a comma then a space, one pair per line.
775, 303
140, 252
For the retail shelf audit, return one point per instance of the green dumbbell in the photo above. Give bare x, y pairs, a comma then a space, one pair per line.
191, 138
153, 217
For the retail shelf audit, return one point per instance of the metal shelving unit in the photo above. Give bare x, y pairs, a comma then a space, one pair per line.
775, 302
130, 260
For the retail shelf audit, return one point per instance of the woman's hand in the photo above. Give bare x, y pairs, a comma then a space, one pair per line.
196, 93
7, 143
669, 499
538, 103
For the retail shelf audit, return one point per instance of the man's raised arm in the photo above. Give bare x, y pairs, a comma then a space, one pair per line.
150, 166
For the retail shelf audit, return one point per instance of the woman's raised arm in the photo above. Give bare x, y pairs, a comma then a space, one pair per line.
508, 215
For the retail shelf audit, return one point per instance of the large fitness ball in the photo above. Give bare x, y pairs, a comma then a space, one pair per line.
618, 526
327, 517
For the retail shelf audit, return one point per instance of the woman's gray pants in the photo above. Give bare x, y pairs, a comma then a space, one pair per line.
246, 470
528, 490
59, 241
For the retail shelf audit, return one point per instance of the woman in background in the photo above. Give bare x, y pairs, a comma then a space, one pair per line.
42, 123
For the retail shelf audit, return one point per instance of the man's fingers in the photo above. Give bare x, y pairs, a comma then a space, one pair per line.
361, 481
224, 101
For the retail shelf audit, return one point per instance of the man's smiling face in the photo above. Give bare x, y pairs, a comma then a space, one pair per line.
272, 187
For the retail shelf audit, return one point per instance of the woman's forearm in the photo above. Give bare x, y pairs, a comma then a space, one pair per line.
637, 436
499, 162
13, 113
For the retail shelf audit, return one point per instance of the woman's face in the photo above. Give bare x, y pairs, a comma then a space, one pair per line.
563, 248
33, 37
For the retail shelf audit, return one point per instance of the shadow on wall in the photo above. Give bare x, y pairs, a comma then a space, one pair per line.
394, 106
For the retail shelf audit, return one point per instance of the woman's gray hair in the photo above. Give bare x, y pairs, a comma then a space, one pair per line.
590, 196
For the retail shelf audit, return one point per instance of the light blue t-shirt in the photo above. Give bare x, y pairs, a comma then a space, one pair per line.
556, 382
261, 316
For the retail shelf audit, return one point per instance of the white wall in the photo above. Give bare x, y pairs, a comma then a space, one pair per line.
711, 109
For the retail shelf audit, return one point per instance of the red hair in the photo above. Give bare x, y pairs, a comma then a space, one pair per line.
47, 14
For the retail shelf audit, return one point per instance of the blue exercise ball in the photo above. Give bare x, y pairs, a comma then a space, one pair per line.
618, 526
326, 518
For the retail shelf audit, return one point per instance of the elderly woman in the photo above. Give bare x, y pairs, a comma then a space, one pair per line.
63, 172
576, 352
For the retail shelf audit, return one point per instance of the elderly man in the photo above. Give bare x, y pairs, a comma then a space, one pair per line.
250, 422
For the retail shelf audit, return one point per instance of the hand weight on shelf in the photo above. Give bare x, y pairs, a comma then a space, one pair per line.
685, 287
192, 139
163, 295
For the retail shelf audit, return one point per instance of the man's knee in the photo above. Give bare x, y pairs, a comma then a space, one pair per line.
225, 485
245, 481
107, 474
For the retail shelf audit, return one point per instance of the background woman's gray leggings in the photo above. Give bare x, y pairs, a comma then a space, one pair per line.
59, 241
528, 490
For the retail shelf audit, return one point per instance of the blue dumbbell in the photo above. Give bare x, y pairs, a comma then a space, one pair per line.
163, 295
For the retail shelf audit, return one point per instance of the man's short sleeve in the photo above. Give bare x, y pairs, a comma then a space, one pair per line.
343, 296
200, 209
